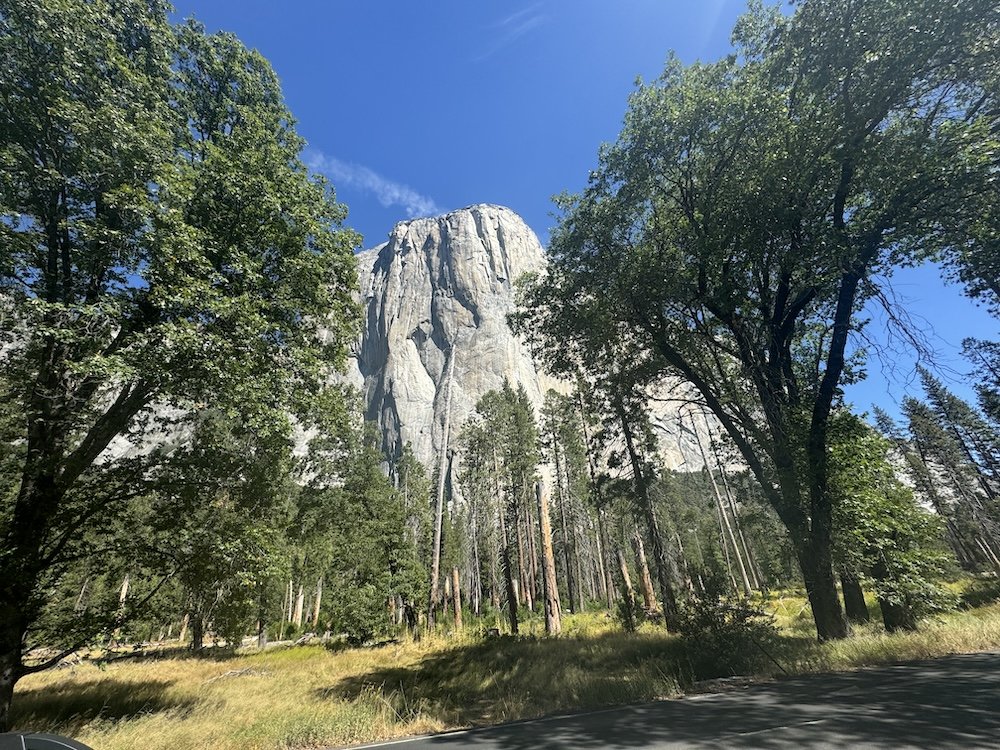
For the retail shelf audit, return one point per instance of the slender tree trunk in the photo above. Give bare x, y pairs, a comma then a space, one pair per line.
550, 587
626, 578
299, 602
670, 611
261, 618
476, 585
83, 591
564, 529
606, 565
854, 598
988, 552
529, 525
435, 587
579, 566
645, 579
723, 514
456, 597
317, 603
756, 579
602, 535
522, 567
628, 593
508, 572
688, 583
184, 627
601, 568
895, 615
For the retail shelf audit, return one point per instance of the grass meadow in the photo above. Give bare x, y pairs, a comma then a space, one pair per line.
312, 697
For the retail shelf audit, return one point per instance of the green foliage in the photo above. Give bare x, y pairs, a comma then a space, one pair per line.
167, 263
724, 637
500, 452
882, 534
741, 220
351, 523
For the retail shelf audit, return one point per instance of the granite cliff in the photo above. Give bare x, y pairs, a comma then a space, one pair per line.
436, 298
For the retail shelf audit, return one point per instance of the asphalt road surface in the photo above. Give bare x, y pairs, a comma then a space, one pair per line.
952, 702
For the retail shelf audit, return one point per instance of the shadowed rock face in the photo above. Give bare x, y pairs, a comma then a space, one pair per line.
442, 287
439, 288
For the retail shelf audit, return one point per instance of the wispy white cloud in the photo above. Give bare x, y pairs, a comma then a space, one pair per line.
511, 28
386, 191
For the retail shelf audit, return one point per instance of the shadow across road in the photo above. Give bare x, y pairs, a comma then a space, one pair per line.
949, 702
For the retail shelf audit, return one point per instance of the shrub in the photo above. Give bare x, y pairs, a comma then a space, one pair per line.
724, 637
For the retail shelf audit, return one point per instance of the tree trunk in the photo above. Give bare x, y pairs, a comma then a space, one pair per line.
645, 579
508, 572
197, 632
299, 601
262, 619
628, 593
456, 597
670, 611
723, 513
10, 670
895, 615
522, 569
821, 588
319, 600
609, 586
550, 586
571, 582
435, 586
579, 565
854, 598
529, 525
626, 578
476, 585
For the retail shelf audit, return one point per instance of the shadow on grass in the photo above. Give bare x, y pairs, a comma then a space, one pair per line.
984, 591
218, 654
67, 708
509, 677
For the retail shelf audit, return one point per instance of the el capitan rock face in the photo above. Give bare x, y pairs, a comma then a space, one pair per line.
441, 289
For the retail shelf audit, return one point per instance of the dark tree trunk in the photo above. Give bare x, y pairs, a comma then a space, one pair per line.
821, 588
854, 599
508, 573
197, 632
895, 615
10, 673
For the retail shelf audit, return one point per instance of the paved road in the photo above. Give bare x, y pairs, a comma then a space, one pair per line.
952, 702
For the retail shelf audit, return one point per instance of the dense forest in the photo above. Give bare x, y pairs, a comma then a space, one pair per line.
179, 458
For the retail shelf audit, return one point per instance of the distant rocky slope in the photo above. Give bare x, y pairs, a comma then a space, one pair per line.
436, 297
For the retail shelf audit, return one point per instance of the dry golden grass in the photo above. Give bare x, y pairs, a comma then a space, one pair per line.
302, 697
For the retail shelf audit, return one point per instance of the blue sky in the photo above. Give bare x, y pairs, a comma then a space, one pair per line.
413, 108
